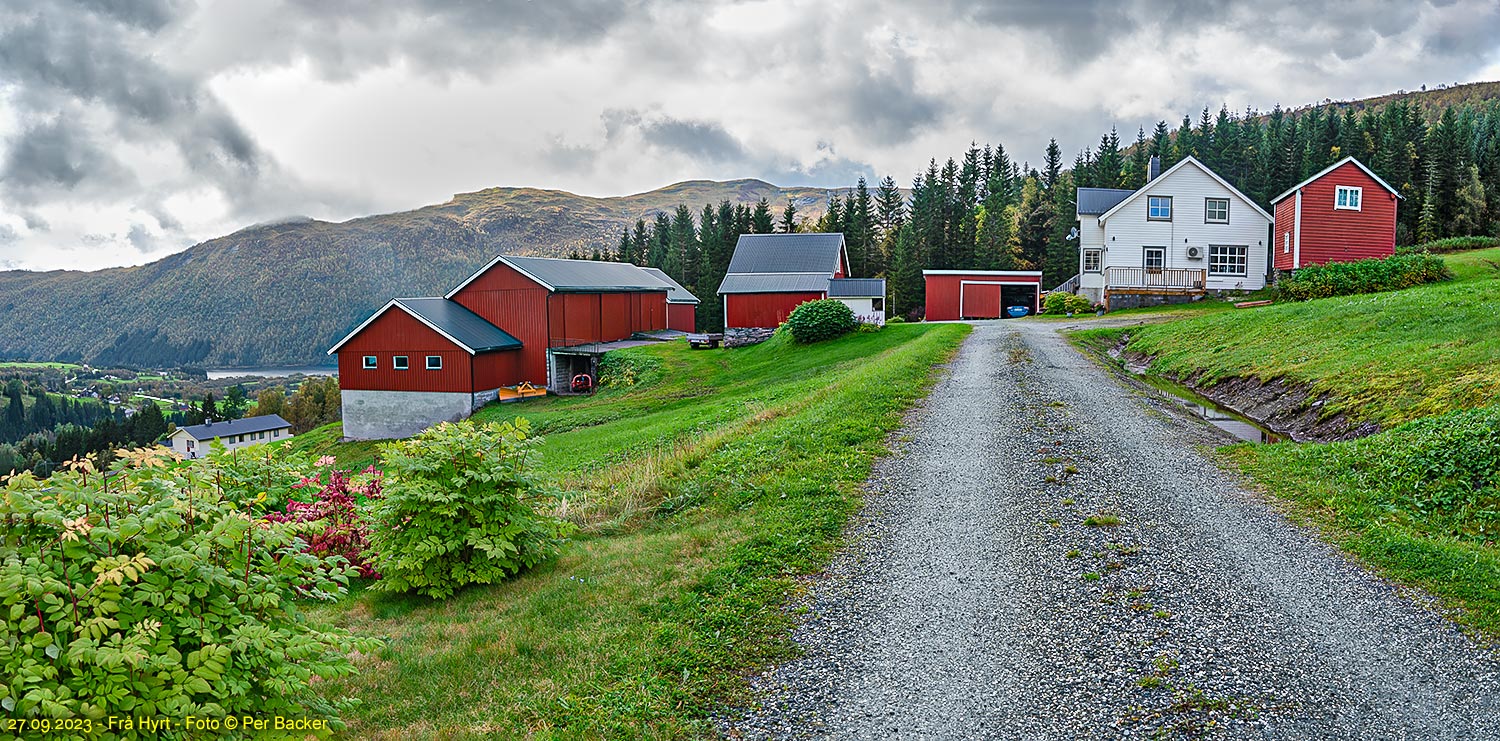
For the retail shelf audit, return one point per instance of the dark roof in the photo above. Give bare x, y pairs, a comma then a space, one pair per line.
244, 426
1095, 201
787, 253
459, 324
774, 283
856, 287
676, 294
585, 275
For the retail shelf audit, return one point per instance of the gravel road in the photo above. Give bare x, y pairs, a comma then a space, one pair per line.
975, 602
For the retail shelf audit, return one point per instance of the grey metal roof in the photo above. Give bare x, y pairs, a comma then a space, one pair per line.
452, 319
1095, 201
246, 426
787, 253
856, 288
586, 275
676, 294
774, 283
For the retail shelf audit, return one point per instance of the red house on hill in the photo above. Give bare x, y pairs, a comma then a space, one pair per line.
1344, 213
419, 361
771, 274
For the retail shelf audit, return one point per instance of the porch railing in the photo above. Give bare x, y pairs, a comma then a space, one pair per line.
1068, 286
1166, 279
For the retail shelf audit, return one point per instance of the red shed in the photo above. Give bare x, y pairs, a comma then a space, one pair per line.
682, 305
771, 274
980, 294
1344, 213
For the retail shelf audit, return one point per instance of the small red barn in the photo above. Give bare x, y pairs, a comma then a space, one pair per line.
980, 294
771, 274
1344, 213
682, 305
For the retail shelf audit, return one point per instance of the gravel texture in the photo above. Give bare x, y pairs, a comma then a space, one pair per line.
974, 601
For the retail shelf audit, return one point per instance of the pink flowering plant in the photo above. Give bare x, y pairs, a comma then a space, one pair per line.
331, 523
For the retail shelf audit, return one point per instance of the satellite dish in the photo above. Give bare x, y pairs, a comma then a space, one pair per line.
1072, 234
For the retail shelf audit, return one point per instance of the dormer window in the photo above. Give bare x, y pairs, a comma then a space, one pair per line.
1347, 198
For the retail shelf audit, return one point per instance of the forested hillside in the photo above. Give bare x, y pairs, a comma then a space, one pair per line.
280, 294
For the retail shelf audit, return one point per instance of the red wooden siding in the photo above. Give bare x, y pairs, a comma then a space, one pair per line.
762, 309
944, 292
1331, 235
397, 333
682, 317
495, 369
1284, 246
579, 318
518, 305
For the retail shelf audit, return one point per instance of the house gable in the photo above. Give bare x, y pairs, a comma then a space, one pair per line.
1166, 183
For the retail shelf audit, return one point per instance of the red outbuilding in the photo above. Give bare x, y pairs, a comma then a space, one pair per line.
771, 274
682, 305
980, 294
1344, 213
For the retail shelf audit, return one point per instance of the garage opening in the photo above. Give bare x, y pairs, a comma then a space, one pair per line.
565, 366
1017, 296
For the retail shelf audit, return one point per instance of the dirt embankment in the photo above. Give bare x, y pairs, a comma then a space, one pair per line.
1284, 406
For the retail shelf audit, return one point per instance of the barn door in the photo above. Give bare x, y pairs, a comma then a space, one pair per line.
980, 301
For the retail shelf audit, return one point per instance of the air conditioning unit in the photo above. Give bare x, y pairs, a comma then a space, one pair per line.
1195, 253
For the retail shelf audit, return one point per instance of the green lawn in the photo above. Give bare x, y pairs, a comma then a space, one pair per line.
26, 364
702, 493
1385, 357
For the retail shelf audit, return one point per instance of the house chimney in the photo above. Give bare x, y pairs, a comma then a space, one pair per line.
1154, 169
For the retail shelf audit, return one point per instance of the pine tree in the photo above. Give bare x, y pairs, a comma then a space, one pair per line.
761, 221
890, 214
859, 230
907, 286
622, 253
789, 217
1140, 158
1108, 162
1052, 165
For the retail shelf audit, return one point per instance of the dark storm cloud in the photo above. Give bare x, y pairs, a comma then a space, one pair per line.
705, 141
55, 157
884, 101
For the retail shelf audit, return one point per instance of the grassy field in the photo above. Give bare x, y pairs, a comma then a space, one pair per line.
702, 493
23, 365
1385, 357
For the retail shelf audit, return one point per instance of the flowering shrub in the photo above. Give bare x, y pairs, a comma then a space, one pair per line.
331, 523
150, 593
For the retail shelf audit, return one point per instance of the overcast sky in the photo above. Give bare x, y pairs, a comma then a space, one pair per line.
126, 135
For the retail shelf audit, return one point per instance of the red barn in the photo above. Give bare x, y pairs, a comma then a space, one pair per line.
1344, 213
682, 305
416, 362
980, 294
771, 274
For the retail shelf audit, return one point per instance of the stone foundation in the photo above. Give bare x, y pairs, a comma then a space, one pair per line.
742, 336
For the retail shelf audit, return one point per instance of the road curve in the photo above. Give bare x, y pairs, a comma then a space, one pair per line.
975, 602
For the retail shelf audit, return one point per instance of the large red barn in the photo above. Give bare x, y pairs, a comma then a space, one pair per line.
980, 294
682, 305
1344, 213
416, 362
771, 274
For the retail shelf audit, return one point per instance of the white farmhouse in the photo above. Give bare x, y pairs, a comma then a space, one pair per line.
1186, 232
194, 441
865, 296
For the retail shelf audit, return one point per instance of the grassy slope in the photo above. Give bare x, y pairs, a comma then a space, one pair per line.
1446, 337
703, 493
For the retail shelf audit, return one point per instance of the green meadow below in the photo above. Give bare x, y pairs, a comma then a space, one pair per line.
704, 484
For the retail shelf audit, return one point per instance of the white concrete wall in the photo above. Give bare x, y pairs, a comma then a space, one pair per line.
1128, 232
381, 415
864, 310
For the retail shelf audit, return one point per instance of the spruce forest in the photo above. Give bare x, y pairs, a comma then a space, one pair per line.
986, 210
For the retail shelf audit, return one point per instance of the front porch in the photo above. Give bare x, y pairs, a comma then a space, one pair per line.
1128, 287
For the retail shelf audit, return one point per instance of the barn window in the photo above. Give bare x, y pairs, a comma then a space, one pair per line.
1156, 258
1159, 208
371, 363
1093, 261
1347, 197
1286, 242
401, 363
434, 362
1216, 210
1225, 259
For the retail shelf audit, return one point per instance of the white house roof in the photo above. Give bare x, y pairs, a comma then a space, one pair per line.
1185, 161
1331, 168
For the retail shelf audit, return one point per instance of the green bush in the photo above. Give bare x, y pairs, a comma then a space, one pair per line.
1445, 463
152, 593
460, 509
897, 319
1451, 244
820, 320
1362, 276
1066, 303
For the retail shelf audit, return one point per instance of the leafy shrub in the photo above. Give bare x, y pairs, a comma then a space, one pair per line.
331, 523
259, 478
628, 369
1362, 276
1451, 244
460, 509
825, 319
897, 319
868, 328
1066, 303
151, 593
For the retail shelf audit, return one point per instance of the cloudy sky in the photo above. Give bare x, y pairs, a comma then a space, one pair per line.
128, 134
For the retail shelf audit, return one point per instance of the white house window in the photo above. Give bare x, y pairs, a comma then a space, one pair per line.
401, 363
371, 363
1286, 242
1093, 260
1159, 208
1227, 259
1347, 197
434, 362
1216, 211
1156, 258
